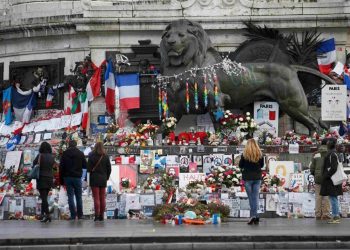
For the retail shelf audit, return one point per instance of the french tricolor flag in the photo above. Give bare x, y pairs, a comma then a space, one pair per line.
129, 91
49, 97
110, 88
347, 78
326, 55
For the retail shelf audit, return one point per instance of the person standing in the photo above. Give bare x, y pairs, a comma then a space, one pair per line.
322, 208
251, 163
99, 168
46, 161
71, 169
327, 186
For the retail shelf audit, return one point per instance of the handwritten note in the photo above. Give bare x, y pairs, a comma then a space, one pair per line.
13, 158
185, 178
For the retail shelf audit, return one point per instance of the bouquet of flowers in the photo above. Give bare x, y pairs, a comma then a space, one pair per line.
125, 182
229, 121
167, 182
148, 129
152, 183
169, 125
247, 124
197, 185
290, 136
276, 180
225, 175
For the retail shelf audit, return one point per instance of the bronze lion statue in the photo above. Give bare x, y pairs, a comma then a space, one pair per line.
185, 45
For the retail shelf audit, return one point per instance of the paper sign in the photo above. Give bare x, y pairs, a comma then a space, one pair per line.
13, 158
308, 205
266, 116
185, 178
173, 170
111, 201
27, 157
132, 202
207, 163
37, 138
76, 119
227, 160
217, 160
294, 148
64, 121
271, 203
282, 169
147, 200
184, 163
333, 107
172, 160
339, 68
88, 205
296, 180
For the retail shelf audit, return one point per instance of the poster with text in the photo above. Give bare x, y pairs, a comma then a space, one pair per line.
333, 106
185, 178
266, 116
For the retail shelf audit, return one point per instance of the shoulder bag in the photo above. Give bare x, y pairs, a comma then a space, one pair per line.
35, 172
339, 176
96, 165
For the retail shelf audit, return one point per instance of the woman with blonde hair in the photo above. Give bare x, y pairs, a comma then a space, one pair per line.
251, 163
99, 168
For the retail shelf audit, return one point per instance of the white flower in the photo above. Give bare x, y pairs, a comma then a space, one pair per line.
226, 116
248, 114
221, 169
248, 118
169, 124
229, 176
235, 179
224, 123
241, 119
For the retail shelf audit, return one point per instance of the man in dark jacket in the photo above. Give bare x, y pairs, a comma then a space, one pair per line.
327, 186
322, 207
71, 169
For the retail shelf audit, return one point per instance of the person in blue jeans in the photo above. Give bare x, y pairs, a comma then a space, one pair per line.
71, 169
327, 186
251, 163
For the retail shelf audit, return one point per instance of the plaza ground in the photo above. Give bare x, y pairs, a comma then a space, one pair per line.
135, 234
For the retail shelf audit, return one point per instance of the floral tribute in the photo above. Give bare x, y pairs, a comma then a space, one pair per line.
224, 175
148, 129
167, 182
152, 183
196, 186
247, 124
229, 121
169, 125
202, 213
125, 182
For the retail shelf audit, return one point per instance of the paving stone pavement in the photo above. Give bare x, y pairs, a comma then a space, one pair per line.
133, 234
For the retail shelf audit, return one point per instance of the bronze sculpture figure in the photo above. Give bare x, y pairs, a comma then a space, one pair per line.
186, 45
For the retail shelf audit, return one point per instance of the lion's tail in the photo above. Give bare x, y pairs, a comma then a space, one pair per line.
311, 71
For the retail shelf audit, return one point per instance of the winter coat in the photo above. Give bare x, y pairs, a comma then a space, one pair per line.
72, 163
251, 171
100, 176
317, 164
330, 167
46, 170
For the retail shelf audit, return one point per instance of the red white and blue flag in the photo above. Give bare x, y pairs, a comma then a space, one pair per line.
326, 55
129, 91
110, 88
49, 97
347, 78
23, 104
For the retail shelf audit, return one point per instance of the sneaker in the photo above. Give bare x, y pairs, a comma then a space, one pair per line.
326, 217
335, 220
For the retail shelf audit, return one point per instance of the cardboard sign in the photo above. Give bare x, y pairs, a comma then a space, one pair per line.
333, 106
88, 205
185, 178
